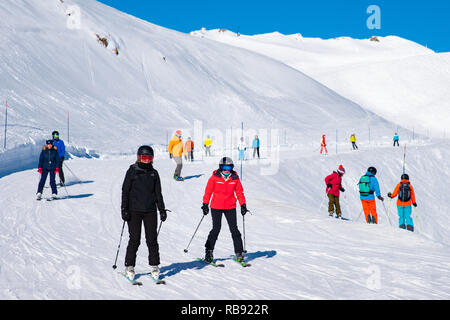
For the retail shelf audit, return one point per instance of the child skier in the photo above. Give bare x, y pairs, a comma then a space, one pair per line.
48, 164
224, 186
242, 147
59, 144
141, 196
368, 186
323, 146
405, 192
334, 186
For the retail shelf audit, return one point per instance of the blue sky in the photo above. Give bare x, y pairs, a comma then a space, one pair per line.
426, 22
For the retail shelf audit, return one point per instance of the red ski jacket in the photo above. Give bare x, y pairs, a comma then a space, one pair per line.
224, 192
335, 180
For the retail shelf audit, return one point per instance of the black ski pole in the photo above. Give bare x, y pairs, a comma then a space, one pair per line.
160, 224
72, 172
243, 223
117, 254
186, 250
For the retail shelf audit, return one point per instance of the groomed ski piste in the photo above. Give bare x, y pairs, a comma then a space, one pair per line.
65, 249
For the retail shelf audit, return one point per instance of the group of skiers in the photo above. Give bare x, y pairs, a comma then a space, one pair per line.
142, 198
368, 189
50, 164
323, 144
177, 149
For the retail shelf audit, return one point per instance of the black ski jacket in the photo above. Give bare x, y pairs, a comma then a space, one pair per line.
141, 190
49, 159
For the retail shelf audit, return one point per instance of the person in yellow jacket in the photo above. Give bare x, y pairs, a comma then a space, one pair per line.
353, 141
176, 151
208, 144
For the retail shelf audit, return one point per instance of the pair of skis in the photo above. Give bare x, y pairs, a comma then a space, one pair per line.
135, 282
242, 263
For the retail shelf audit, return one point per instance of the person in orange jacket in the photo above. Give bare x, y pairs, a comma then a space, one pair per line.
406, 196
323, 146
176, 151
189, 147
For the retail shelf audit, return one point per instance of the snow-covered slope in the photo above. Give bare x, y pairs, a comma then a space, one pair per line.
65, 249
160, 80
393, 77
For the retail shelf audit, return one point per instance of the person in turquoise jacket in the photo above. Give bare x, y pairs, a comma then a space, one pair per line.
256, 145
396, 139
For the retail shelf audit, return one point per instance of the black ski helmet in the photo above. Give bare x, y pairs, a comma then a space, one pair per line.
225, 161
145, 151
372, 170
55, 133
405, 176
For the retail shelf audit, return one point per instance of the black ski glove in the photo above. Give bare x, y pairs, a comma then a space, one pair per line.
342, 189
381, 198
62, 158
389, 195
244, 209
415, 204
126, 216
329, 186
205, 209
163, 215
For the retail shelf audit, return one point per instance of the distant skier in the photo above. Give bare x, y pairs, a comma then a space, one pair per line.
368, 186
48, 164
353, 141
242, 147
208, 143
223, 187
334, 187
256, 144
141, 197
176, 149
323, 146
396, 140
59, 144
189, 147
405, 192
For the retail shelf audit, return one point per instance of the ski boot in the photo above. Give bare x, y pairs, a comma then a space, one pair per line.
338, 216
53, 197
209, 258
402, 226
129, 272
410, 228
38, 196
331, 214
154, 272
239, 257
178, 178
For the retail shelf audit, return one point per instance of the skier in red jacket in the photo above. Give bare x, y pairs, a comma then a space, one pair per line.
323, 146
334, 186
224, 187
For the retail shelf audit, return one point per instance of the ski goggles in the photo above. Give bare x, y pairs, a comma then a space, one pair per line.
56, 136
227, 168
146, 158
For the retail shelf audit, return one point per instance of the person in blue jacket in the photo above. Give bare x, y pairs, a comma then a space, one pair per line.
48, 164
396, 139
255, 146
368, 188
59, 144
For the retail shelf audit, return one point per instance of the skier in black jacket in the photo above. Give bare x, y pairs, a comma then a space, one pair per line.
48, 164
141, 196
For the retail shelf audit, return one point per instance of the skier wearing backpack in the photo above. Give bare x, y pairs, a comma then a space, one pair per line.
48, 164
368, 188
334, 186
141, 196
224, 187
406, 196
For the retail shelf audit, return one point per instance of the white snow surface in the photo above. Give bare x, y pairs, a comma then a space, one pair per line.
65, 249
397, 79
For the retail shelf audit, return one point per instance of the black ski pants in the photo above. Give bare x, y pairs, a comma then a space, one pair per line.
150, 221
231, 217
